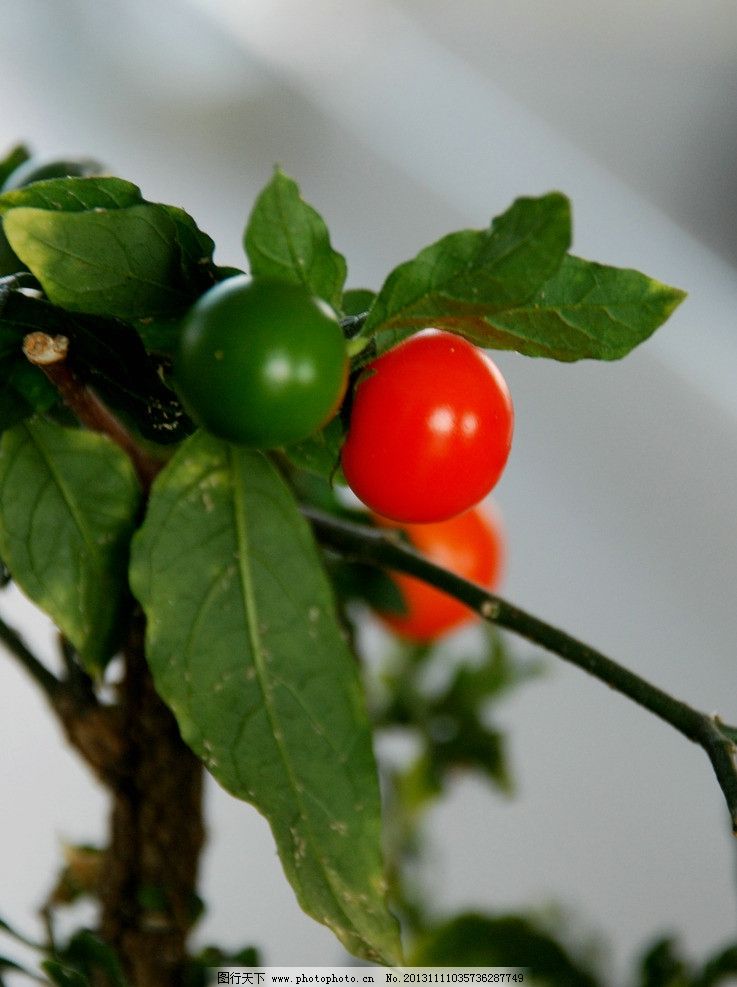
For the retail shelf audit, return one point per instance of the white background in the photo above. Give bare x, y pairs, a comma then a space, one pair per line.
401, 122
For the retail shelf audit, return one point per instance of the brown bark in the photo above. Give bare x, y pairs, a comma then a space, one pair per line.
50, 355
149, 872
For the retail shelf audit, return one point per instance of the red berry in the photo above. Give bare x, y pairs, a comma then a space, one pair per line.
430, 429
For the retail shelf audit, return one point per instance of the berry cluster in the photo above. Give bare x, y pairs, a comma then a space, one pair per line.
265, 364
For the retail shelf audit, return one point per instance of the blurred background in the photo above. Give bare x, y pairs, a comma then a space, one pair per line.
401, 121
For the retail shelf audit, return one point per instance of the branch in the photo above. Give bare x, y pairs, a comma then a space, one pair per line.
93, 729
388, 550
46, 680
49, 354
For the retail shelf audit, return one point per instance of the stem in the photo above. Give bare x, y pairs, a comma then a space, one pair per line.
11, 282
353, 324
387, 550
49, 354
360, 348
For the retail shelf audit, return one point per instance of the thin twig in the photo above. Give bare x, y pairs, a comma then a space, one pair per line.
48, 682
388, 550
49, 354
353, 324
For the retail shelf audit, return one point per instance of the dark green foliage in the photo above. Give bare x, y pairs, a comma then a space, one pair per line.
199, 971
68, 506
663, 965
286, 240
452, 720
509, 940
97, 246
12, 160
89, 956
513, 287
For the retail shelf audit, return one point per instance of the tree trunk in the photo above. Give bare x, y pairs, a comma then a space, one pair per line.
149, 873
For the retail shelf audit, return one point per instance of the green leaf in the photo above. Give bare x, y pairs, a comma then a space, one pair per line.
468, 743
12, 160
319, 453
161, 335
195, 251
413, 788
472, 939
25, 390
453, 721
458, 282
586, 310
89, 955
73, 195
717, 969
199, 970
64, 976
356, 301
287, 240
245, 648
119, 262
97, 246
354, 581
67, 195
41, 169
68, 505
663, 966
9, 263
